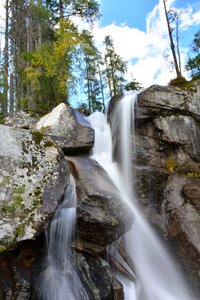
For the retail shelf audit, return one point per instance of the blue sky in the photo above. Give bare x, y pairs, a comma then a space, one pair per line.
140, 35
139, 32
131, 12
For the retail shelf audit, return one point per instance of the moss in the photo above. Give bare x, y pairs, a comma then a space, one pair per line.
17, 200
171, 165
38, 192
2, 248
161, 142
35, 163
20, 189
7, 208
11, 207
49, 143
114, 222
193, 174
5, 181
37, 137
19, 231
179, 81
1, 119
44, 129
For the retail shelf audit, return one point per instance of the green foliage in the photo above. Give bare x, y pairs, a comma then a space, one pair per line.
86, 9
1, 118
115, 68
180, 82
133, 86
194, 174
183, 84
93, 81
11, 207
50, 68
193, 64
5, 180
17, 199
2, 248
170, 165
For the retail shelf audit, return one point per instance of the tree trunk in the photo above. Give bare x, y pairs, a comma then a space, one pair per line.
108, 78
178, 72
101, 86
89, 92
60, 7
5, 75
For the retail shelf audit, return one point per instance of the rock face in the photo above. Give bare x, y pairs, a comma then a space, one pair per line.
102, 216
33, 177
21, 119
69, 128
168, 168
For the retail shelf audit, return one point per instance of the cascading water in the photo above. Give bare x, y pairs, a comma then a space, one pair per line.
59, 280
156, 272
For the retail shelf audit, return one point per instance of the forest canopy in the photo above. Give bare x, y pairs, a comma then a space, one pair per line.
46, 58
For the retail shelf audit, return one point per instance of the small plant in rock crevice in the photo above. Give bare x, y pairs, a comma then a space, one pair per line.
171, 165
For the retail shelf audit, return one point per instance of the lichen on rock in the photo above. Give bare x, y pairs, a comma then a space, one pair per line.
31, 167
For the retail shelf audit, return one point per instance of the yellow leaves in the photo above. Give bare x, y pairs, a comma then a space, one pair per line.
51, 65
36, 60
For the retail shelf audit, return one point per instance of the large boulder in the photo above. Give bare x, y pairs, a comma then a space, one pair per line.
181, 130
160, 100
21, 119
102, 215
33, 177
167, 143
183, 222
69, 128
167, 165
93, 280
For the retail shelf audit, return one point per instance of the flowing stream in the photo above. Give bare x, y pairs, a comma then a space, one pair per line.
60, 278
156, 272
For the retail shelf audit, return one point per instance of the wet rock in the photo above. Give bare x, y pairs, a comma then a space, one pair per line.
150, 184
21, 119
92, 269
167, 146
94, 277
181, 130
69, 128
102, 216
191, 192
19, 266
183, 226
33, 177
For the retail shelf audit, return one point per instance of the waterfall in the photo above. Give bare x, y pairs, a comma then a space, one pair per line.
60, 280
156, 272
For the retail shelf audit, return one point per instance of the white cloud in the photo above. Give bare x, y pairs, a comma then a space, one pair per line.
145, 50
2, 10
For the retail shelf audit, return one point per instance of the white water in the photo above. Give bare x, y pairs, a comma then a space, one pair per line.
60, 280
156, 272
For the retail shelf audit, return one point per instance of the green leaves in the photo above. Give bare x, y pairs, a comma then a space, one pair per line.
115, 68
193, 64
50, 67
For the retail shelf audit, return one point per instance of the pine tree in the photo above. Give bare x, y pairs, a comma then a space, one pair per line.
6, 62
171, 17
33, 35
115, 68
50, 68
193, 64
93, 75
